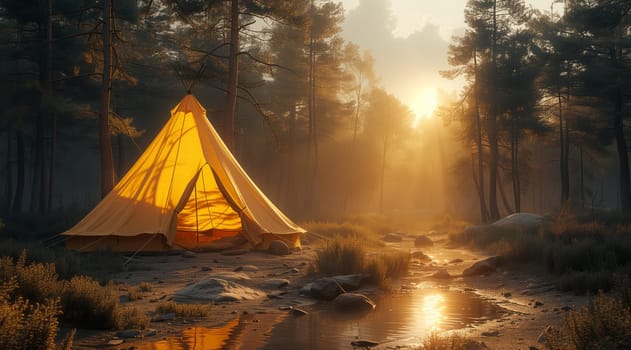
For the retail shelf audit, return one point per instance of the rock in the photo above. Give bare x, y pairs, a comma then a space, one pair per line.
421, 256
206, 268
250, 268
234, 252
475, 345
217, 290
455, 261
188, 254
150, 332
353, 302
392, 237
350, 282
164, 317
115, 342
442, 273
506, 294
520, 221
365, 344
566, 308
306, 289
326, 288
278, 248
491, 333
538, 303
129, 333
298, 312
423, 241
274, 283
484, 267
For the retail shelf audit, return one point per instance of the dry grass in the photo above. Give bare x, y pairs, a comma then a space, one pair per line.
451, 342
323, 230
26, 325
184, 310
344, 255
82, 300
137, 292
584, 254
605, 323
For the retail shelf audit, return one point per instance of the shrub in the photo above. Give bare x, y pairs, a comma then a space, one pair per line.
26, 325
583, 252
135, 293
87, 303
184, 310
132, 317
605, 323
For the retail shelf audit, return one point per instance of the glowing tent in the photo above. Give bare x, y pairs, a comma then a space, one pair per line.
186, 190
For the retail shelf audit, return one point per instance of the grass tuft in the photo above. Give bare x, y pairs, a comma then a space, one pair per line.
184, 310
344, 255
450, 342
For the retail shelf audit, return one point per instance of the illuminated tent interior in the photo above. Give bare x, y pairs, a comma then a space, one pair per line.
185, 191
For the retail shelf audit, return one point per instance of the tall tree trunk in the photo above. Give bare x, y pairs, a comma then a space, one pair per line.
351, 161
230, 104
564, 164
105, 141
582, 176
19, 187
9, 168
484, 213
623, 153
492, 126
45, 190
312, 152
515, 164
51, 169
383, 173
290, 184
505, 201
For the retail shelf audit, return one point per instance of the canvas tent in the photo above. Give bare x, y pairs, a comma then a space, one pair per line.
185, 191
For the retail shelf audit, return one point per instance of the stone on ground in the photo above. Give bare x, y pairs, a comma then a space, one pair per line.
326, 288
350, 282
423, 241
442, 273
275, 283
216, 290
353, 302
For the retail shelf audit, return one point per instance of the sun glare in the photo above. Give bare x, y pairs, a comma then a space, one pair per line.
424, 104
431, 312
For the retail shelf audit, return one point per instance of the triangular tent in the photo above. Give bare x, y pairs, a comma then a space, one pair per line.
185, 191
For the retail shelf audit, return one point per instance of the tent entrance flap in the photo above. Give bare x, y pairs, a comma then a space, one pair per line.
206, 215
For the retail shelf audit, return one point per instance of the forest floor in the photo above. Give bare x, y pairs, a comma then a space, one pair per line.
527, 297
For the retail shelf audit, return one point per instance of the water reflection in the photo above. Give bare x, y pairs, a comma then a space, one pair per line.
397, 317
431, 311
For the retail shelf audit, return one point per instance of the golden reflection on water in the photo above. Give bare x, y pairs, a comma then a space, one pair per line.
431, 312
196, 338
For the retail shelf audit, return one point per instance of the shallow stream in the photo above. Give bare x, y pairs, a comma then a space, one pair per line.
398, 318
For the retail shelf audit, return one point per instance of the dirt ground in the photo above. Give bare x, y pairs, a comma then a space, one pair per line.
529, 297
